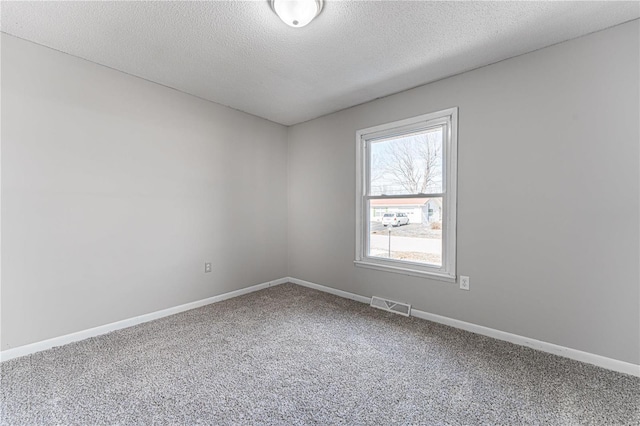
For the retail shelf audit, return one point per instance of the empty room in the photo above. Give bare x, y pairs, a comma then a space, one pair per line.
320, 212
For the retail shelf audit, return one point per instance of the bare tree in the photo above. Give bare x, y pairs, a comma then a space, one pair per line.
430, 154
413, 163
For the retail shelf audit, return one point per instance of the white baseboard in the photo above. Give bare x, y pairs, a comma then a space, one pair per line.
586, 357
331, 290
96, 331
575, 354
589, 358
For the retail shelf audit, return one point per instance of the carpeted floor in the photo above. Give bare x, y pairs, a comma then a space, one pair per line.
291, 355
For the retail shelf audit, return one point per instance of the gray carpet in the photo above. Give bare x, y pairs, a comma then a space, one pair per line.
291, 355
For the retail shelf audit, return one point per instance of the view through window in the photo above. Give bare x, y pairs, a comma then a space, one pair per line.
407, 228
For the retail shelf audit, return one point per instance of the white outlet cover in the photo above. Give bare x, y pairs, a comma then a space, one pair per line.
464, 282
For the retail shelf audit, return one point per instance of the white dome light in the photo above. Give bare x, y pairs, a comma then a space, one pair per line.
297, 13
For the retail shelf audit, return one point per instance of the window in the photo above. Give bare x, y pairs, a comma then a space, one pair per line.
407, 169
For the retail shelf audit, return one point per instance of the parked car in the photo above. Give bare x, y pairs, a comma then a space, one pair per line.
395, 219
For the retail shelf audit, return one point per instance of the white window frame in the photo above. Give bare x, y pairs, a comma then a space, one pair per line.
447, 118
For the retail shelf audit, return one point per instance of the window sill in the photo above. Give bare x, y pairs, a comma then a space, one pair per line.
406, 271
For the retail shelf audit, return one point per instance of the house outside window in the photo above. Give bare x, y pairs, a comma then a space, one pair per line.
407, 169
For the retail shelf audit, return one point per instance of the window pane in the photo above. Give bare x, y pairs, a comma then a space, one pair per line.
410, 164
407, 229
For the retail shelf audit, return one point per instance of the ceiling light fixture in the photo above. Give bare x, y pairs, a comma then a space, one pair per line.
297, 13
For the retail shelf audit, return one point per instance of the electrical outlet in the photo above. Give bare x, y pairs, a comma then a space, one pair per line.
464, 282
207, 267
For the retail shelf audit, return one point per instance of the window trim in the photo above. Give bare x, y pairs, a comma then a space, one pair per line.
447, 272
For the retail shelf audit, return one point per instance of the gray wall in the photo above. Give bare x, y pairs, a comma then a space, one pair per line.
115, 191
548, 196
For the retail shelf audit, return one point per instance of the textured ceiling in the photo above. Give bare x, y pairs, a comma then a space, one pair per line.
240, 54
